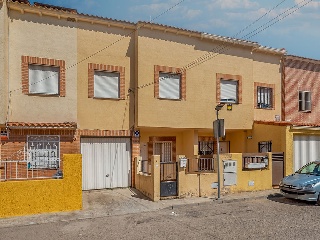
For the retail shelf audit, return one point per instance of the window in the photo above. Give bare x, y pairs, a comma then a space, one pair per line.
229, 91
43, 76
304, 101
164, 149
169, 83
106, 84
228, 88
43, 79
265, 146
206, 147
43, 152
106, 81
264, 97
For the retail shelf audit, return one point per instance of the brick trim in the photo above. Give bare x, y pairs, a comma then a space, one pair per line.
165, 69
107, 68
221, 76
26, 60
266, 85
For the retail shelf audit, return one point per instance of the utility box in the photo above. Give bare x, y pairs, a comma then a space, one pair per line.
229, 172
183, 162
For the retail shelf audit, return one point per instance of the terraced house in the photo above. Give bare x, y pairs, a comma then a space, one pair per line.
126, 95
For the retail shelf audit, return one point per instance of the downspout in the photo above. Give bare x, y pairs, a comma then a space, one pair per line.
7, 62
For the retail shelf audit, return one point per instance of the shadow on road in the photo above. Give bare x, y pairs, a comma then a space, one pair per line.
137, 194
277, 197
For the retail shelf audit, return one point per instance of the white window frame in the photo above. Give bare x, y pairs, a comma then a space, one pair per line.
229, 91
43, 79
164, 152
304, 101
43, 151
264, 97
106, 84
169, 86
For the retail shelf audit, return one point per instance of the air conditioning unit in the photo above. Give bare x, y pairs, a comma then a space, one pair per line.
255, 165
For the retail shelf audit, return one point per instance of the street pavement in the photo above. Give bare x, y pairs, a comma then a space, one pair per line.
117, 202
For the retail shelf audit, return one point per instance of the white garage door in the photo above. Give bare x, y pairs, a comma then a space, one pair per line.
306, 149
105, 163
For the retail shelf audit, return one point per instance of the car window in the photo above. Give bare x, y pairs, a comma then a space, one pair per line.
309, 168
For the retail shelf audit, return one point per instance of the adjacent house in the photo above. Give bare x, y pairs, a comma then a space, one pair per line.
301, 91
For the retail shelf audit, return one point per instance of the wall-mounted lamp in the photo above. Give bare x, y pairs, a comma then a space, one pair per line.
229, 107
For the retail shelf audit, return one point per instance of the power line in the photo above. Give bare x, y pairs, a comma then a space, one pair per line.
223, 47
95, 53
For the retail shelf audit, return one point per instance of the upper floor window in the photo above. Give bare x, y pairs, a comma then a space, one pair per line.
106, 81
229, 88
229, 91
43, 76
304, 101
169, 83
264, 97
169, 86
106, 84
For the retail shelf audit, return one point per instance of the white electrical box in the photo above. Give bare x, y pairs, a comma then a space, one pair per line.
230, 166
183, 162
229, 172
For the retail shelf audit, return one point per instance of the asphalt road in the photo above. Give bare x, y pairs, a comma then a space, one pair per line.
273, 218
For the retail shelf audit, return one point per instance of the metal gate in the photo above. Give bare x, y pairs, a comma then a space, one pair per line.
277, 168
105, 162
168, 179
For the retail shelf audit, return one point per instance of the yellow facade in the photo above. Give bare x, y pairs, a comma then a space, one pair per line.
40, 36
42, 196
111, 114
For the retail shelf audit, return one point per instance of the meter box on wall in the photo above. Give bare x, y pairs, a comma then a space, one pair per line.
229, 172
230, 166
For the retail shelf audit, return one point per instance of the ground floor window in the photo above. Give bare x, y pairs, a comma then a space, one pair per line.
164, 149
43, 151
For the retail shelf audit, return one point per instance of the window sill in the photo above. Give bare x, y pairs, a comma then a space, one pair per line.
114, 99
171, 99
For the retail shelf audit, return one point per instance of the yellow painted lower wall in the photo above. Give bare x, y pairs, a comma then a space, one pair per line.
27, 197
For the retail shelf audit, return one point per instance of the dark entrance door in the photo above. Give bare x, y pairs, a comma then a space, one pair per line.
277, 168
168, 179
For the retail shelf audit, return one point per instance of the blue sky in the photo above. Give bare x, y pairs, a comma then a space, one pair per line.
298, 33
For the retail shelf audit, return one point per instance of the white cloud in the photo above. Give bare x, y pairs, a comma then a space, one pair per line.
192, 13
313, 4
232, 4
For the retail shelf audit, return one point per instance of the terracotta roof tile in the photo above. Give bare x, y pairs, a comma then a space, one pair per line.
29, 125
48, 6
286, 123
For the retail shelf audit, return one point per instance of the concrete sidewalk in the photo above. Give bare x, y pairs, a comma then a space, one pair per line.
103, 203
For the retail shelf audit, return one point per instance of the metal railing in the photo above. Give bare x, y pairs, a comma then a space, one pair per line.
168, 171
202, 164
23, 170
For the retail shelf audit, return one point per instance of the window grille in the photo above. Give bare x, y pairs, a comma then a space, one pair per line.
205, 147
164, 149
43, 152
304, 101
265, 146
265, 96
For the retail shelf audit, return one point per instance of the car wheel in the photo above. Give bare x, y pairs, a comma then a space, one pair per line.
318, 200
